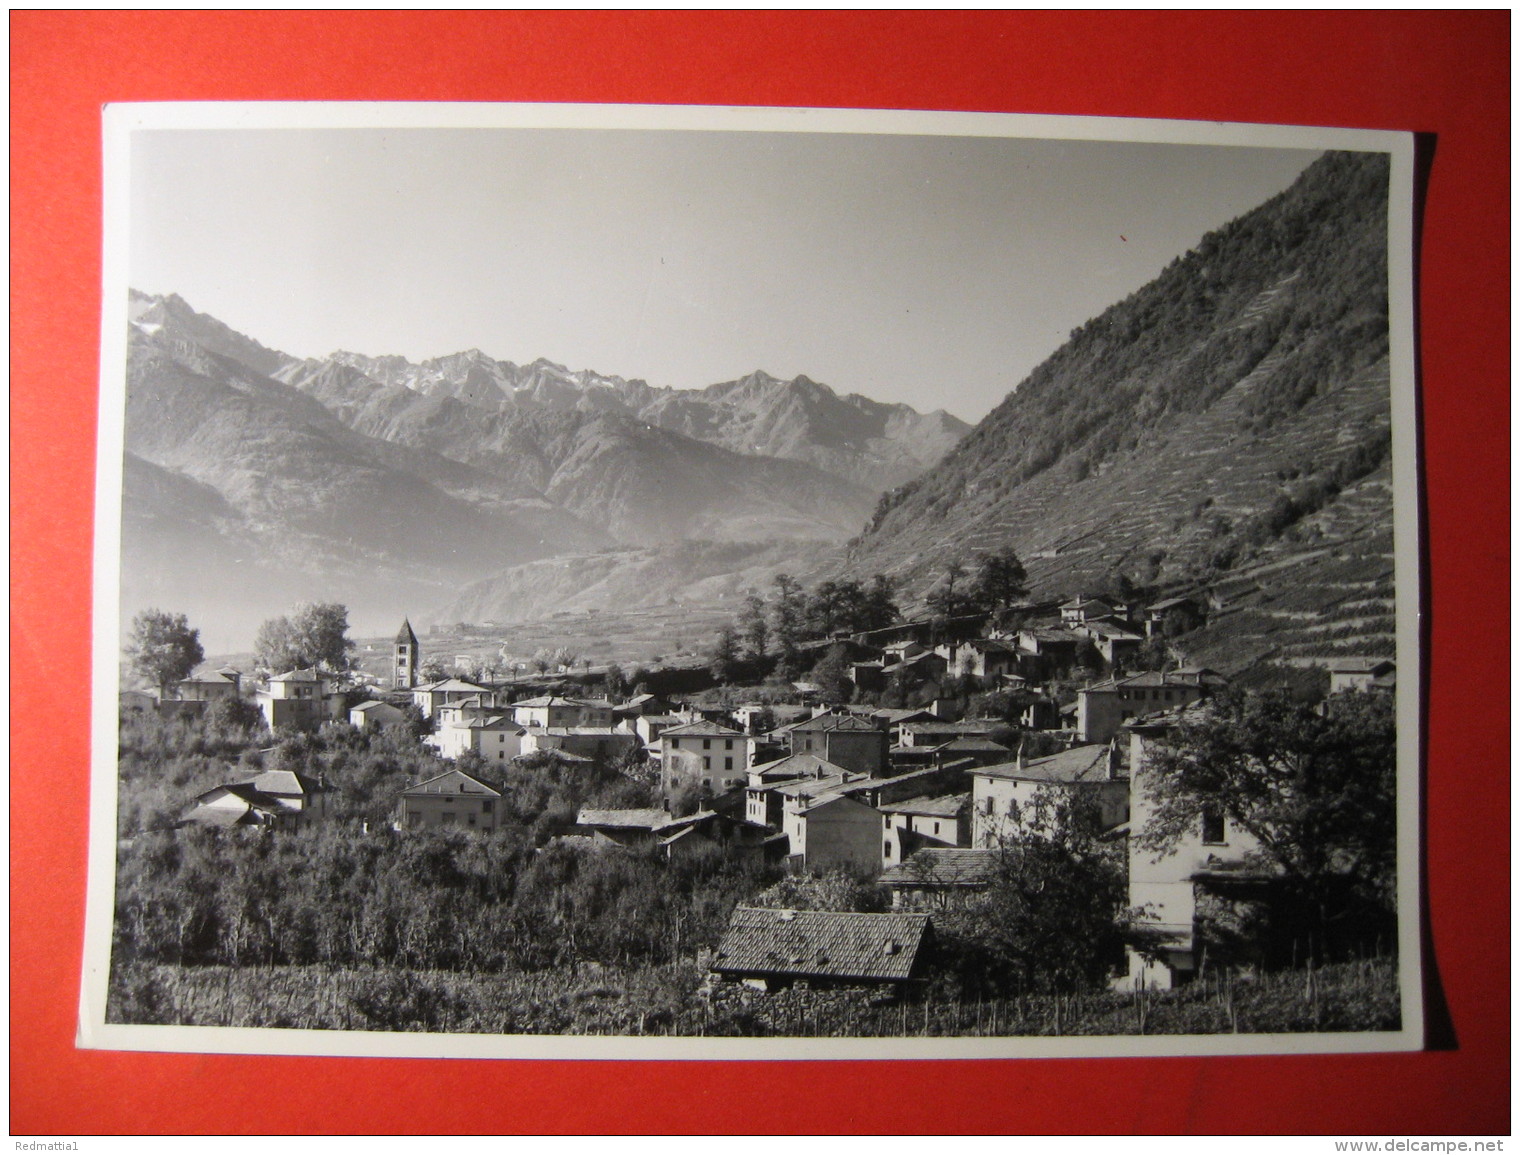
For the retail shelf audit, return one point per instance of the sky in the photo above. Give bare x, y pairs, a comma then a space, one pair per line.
932, 270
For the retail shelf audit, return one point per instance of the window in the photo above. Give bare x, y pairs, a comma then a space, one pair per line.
936, 828
707, 743
675, 743
707, 782
485, 807
707, 763
986, 805
449, 818
728, 763
728, 743
886, 850
1213, 824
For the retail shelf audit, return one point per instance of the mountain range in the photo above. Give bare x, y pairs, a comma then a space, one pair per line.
1224, 430
254, 476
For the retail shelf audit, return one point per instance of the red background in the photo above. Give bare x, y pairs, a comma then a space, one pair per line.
1442, 73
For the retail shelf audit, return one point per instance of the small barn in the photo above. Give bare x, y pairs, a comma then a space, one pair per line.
768, 949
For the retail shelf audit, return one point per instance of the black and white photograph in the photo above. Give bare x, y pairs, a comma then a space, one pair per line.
633, 582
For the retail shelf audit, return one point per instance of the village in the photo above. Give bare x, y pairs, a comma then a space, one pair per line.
1019, 722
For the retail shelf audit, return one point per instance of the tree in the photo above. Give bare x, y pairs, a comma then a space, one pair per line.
1315, 789
1053, 918
725, 656
163, 649
880, 608
1000, 582
312, 635
615, 681
754, 630
945, 599
787, 622
832, 675
433, 670
323, 630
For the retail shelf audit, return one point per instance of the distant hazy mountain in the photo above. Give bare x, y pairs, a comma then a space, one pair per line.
1225, 426
639, 483
373, 478
869, 443
256, 477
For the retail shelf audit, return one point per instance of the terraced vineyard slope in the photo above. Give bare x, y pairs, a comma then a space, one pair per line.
1225, 428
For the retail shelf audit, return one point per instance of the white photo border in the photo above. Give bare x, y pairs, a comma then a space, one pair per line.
120, 121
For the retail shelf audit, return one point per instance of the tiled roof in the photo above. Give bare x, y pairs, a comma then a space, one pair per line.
991, 646
894, 717
1045, 634
307, 675
1169, 603
800, 766
1166, 719
864, 785
1108, 629
833, 722
493, 722
1079, 764
222, 816
212, 679
545, 700
250, 794
455, 787
453, 685
951, 866
1359, 665
1149, 679
947, 807
405, 635
974, 744
582, 731
285, 782
811, 787
822, 944
972, 729
701, 729
647, 819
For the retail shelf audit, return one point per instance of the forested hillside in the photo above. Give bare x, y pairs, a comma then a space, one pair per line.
1230, 418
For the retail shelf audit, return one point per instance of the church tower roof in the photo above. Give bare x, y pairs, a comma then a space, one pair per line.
406, 636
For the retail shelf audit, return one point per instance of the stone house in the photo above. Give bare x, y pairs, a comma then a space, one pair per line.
1170, 884
299, 699
1006, 797
941, 877
450, 799
704, 755
1105, 706
374, 714
831, 830
854, 743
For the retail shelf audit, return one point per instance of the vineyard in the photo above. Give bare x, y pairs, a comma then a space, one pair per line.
673, 1000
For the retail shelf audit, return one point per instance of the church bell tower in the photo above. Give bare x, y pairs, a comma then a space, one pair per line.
406, 658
